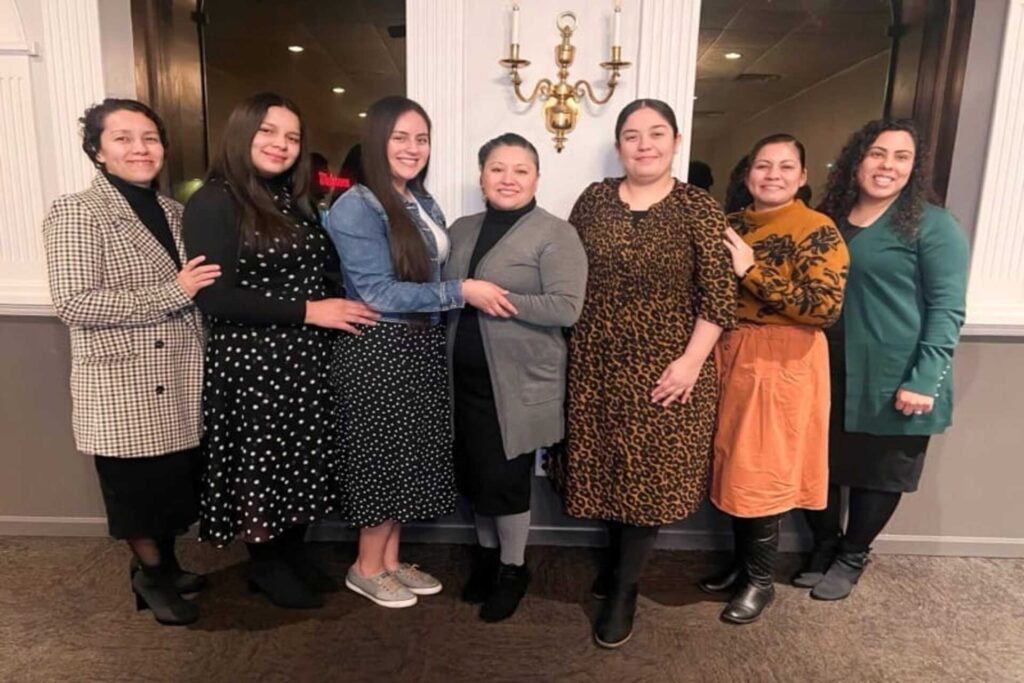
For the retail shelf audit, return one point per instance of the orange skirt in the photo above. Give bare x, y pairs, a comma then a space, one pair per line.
771, 447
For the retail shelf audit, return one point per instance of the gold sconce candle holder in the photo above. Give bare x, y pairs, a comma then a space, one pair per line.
561, 98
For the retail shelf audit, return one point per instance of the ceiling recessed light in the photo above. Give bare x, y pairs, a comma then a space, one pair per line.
732, 55
337, 90
295, 48
362, 114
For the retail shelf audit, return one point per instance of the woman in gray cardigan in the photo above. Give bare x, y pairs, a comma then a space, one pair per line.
508, 366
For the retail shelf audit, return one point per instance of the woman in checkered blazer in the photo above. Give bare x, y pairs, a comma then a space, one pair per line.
120, 281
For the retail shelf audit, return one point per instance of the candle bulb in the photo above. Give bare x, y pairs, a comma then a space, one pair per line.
515, 23
617, 26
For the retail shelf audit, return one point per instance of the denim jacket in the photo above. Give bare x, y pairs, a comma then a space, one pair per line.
358, 226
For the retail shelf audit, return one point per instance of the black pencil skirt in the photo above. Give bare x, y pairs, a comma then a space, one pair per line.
151, 497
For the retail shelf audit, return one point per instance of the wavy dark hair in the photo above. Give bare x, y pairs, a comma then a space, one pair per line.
842, 190
408, 252
259, 220
94, 120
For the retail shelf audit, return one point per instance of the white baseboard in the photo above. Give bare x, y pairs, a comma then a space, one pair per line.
670, 538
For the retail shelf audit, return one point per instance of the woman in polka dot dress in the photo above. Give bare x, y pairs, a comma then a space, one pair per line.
391, 383
265, 395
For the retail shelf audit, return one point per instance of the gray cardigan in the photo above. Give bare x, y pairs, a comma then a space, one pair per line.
541, 262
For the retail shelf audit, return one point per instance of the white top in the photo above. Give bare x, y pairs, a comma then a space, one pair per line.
440, 235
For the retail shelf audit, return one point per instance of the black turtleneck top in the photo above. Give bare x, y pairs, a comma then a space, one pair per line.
145, 205
469, 345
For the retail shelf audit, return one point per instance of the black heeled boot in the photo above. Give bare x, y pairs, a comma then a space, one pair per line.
508, 592
762, 547
483, 574
186, 583
270, 574
154, 589
842, 575
614, 625
296, 554
821, 557
730, 578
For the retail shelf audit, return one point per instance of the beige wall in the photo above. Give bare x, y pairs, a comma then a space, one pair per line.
821, 117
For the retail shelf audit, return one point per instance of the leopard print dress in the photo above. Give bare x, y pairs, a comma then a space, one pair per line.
625, 458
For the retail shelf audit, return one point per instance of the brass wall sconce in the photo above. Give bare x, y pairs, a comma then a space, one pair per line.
562, 99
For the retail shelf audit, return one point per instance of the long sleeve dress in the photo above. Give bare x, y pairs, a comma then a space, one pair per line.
626, 458
265, 394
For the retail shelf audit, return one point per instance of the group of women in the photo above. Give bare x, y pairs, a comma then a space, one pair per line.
241, 363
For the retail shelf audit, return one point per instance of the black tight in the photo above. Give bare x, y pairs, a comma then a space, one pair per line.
629, 547
869, 512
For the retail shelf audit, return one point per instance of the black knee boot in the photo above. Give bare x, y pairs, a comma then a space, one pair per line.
758, 591
270, 574
614, 624
733, 575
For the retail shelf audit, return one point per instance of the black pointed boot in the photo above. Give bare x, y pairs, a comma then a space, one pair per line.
296, 553
270, 574
185, 582
821, 557
154, 590
758, 591
483, 574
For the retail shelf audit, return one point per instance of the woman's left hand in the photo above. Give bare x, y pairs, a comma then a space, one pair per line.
677, 382
742, 253
910, 403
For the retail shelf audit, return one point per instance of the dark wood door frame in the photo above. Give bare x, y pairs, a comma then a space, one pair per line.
926, 77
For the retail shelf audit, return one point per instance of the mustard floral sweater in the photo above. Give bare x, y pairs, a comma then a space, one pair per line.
800, 266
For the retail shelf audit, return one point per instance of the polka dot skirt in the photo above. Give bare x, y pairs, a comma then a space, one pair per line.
394, 424
266, 402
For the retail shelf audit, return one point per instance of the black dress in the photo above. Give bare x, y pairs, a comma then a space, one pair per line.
265, 397
493, 483
154, 497
868, 461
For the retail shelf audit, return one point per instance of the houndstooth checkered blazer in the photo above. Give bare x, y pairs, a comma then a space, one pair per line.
136, 337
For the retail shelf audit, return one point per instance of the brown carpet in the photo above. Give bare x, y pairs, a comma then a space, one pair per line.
66, 614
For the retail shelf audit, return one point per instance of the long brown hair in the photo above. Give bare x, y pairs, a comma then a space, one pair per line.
259, 220
842, 191
408, 251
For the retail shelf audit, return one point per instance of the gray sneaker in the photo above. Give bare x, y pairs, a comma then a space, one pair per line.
417, 581
383, 589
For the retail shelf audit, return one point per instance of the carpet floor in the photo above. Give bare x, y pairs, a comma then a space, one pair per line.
66, 614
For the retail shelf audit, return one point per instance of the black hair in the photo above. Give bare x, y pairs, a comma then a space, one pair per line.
95, 118
700, 175
507, 140
657, 105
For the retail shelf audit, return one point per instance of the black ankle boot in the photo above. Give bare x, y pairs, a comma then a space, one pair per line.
841, 576
296, 554
270, 574
614, 625
817, 564
186, 583
483, 574
154, 589
762, 547
509, 590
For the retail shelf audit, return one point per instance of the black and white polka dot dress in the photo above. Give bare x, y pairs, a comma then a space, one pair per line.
266, 395
394, 420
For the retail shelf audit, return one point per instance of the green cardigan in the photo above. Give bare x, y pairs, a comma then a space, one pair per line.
902, 313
